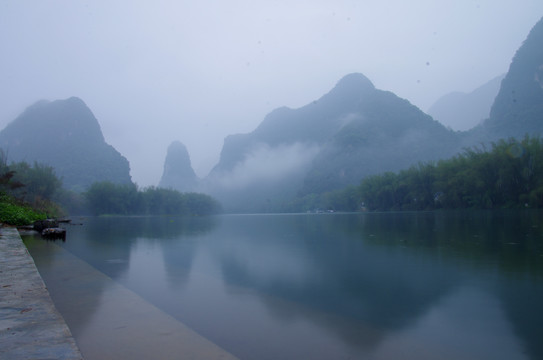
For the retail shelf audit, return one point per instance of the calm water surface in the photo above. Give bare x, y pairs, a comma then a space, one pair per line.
323, 286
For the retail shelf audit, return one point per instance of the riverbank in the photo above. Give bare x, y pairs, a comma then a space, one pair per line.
30, 325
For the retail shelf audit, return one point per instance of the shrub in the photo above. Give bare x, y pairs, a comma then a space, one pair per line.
17, 215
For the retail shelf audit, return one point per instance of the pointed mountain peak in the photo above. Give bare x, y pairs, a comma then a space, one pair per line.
178, 146
178, 173
349, 90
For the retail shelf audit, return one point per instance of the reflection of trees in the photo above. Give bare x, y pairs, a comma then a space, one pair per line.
357, 276
147, 227
105, 242
380, 270
481, 241
510, 240
522, 302
377, 287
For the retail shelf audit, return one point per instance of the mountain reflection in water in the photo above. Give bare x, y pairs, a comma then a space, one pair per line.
372, 286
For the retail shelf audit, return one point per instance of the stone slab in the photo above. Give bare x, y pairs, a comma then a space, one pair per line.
30, 325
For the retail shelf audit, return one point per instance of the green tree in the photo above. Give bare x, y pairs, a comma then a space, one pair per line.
108, 198
124, 199
40, 181
509, 174
201, 204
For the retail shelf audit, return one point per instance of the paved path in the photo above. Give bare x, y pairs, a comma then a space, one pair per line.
30, 325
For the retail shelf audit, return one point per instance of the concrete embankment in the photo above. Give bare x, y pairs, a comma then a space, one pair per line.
30, 325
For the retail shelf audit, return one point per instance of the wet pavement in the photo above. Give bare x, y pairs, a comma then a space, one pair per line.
30, 325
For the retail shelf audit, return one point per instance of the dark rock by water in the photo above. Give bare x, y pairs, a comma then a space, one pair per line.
54, 233
41, 225
49, 229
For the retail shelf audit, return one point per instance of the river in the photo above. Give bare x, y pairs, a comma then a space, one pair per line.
428, 285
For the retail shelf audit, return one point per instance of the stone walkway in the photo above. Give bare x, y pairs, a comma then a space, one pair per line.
30, 325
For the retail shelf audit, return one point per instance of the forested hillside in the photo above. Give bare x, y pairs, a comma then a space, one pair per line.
509, 174
518, 108
297, 157
353, 131
386, 133
65, 135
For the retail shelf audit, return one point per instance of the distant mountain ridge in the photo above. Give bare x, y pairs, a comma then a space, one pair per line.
353, 131
463, 111
356, 130
65, 135
312, 123
383, 133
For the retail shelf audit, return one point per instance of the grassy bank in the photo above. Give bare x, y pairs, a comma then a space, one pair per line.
14, 213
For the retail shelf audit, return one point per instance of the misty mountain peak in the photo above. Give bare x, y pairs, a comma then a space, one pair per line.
71, 118
178, 173
463, 111
354, 83
347, 95
66, 135
316, 121
350, 132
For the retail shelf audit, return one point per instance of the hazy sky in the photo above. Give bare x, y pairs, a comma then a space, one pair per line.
196, 71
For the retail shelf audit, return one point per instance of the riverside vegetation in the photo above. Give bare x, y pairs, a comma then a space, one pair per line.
126, 199
508, 175
33, 192
26, 192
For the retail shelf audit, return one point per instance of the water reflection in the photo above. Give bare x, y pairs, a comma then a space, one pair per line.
106, 243
521, 297
383, 270
328, 286
468, 324
310, 260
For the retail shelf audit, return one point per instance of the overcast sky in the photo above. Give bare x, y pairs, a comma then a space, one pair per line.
196, 71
